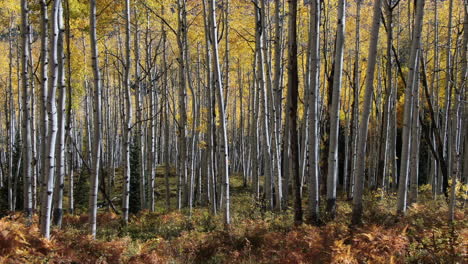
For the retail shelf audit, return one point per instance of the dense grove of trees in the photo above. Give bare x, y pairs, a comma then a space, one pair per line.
308, 101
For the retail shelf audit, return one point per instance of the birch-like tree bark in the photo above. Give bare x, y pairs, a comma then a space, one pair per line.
182, 122
314, 83
408, 117
139, 113
97, 118
460, 124
48, 182
356, 88
277, 96
127, 115
364, 122
26, 133
332, 176
60, 152
44, 86
448, 97
217, 82
10, 116
414, 155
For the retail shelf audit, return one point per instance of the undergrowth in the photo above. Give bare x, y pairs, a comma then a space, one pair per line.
423, 235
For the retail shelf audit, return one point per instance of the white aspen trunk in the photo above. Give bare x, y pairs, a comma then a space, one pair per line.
26, 133
448, 99
71, 163
32, 94
314, 84
274, 181
455, 148
406, 134
389, 103
218, 84
166, 114
151, 166
109, 133
139, 114
153, 108
181, 127
415, 141
10, 119
87, 121
211, 193
435, 172
458, 125
93, 192
60, 151
254, 122
356, 85
255, 137
127, 115
364, 122
332, 176
277, 101
48, 183
44, 87
264, 85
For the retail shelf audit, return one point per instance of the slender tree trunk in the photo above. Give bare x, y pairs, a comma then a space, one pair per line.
448, 88
97, 122
406, 134
332, 177
26, 133
44, 85
32, 122
127, 115
458, 123
264, 80
181, 124
139, 114
364, 123
218, 84
60, 152
10, 117
356, 88
166, 115
293, 84
314, 84
48, 183
414, 155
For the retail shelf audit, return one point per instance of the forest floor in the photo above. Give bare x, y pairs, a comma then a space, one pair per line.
256, 235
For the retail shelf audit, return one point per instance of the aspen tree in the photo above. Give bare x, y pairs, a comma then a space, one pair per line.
181, 124
406, 134
48, 181
127, 115
26, 133
93, 193
356, 88
10, 118
217, 82
332, 176
276, 102
139, 112
44, 86
364, 122
60, 152
448, 97
314, 86
293, 83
